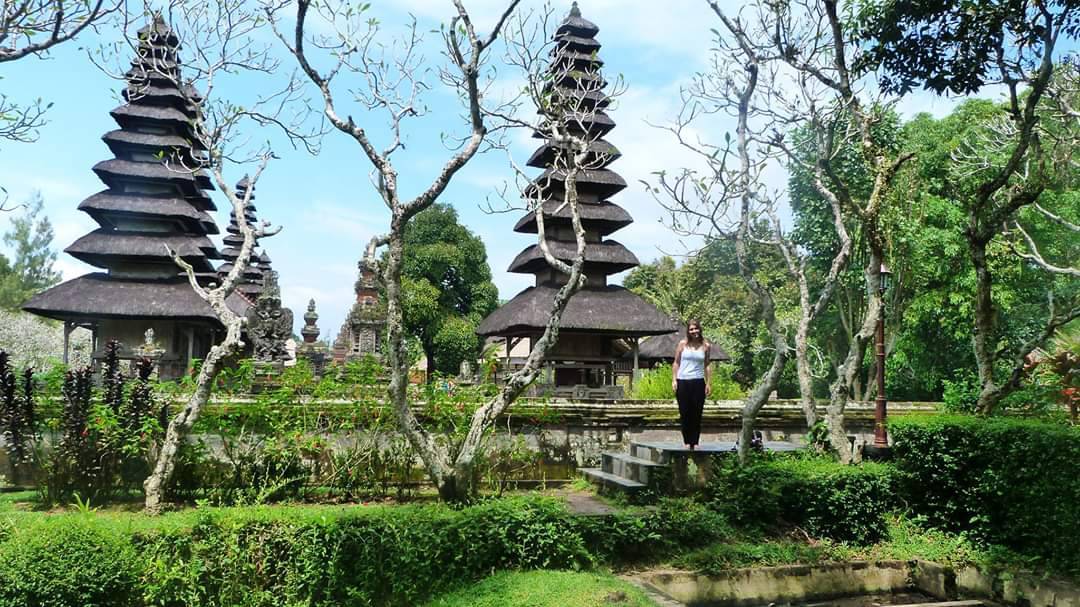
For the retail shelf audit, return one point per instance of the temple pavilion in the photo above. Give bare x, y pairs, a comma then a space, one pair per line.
602, 322
150, 202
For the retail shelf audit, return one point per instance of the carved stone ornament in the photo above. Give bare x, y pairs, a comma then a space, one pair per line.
269, 325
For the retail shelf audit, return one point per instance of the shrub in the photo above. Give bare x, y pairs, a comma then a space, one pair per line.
377, 556
324, 556
747, 495
1003, 481
67, 561
843, 503
673, 526
656, 384
827, 499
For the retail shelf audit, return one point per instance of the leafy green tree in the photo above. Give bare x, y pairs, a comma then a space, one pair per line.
447, 288
30, 269
1000, 168
946, 300
708, 287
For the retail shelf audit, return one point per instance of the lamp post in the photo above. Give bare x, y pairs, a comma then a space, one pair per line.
881, 437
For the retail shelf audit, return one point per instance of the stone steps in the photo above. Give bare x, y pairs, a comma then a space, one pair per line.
628, 466
651, 469
608, 482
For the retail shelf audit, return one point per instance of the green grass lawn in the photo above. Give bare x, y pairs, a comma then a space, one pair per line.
546, 589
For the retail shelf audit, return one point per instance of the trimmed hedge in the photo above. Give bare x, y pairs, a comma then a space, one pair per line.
67, 560
827, 499
1004, 481
321, 556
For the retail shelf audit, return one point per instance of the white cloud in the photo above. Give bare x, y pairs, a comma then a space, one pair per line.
358, 222
660, 28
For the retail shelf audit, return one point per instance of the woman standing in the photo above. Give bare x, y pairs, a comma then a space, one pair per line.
690, 376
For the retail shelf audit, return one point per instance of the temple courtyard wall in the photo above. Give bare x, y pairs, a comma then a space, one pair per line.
573, 434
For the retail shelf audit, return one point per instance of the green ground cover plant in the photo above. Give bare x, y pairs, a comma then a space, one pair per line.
546, 589
905, 539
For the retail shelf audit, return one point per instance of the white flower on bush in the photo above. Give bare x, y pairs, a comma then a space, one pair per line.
33, 341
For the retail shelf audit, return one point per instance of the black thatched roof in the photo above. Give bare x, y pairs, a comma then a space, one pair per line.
251, 272
158, 33
579, 58
133, 114
577, 25
202, 202
595, 124
101, 296
116, 172
602, 182
609, 257
610, 310
662, 348
156, 92
102, 247
606, 310
604, 217
157, 118
119, 140
157, 68
601, 153
106, 204
580, 44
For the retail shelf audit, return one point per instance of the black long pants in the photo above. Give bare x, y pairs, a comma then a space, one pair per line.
691, 396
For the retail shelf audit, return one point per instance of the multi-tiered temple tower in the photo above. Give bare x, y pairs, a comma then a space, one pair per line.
154, 199
251, 283
601, 321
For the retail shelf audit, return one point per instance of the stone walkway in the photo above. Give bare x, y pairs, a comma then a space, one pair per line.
584, 503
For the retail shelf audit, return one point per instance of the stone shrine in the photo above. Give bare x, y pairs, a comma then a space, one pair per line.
364, 328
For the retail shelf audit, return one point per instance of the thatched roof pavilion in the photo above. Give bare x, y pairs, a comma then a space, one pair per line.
150, 202
600, 318
661, 349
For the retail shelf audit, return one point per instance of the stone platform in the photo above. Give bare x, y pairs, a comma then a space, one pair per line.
653, 468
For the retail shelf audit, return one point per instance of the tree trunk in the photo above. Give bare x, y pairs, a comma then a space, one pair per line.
757, 399
430, 374
802, 367
459, 486
846, 374
431, 455
759, 396
983, 337
155, 485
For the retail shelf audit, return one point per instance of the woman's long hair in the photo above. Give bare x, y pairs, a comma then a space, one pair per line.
691, 341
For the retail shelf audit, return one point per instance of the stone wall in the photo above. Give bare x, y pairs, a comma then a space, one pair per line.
571, 435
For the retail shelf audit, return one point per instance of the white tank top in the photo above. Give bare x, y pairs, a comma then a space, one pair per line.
692, 363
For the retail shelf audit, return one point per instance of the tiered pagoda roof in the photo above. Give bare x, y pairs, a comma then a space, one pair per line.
155, 200
598, 308
252, 282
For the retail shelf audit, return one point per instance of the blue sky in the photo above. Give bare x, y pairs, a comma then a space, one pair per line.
326, 204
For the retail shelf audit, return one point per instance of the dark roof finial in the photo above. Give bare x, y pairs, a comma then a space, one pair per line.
574, 10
